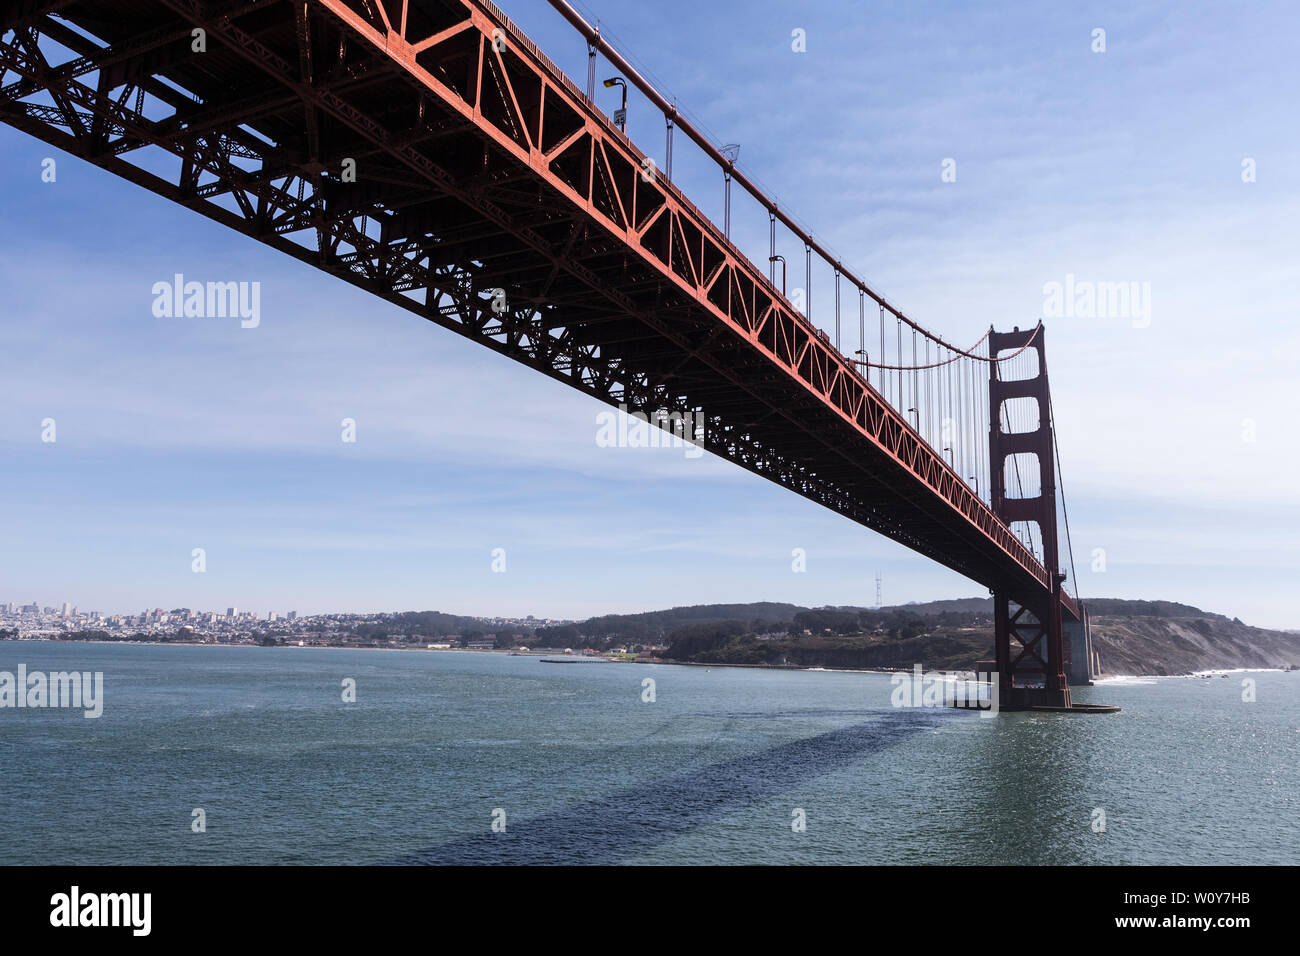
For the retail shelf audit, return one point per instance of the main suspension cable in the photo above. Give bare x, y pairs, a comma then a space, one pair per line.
957, 355
1060, 485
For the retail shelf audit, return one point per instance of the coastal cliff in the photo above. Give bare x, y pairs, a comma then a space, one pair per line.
1137, 638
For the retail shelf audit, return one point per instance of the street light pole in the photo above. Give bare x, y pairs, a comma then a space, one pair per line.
732, 153
620, 117
780, 259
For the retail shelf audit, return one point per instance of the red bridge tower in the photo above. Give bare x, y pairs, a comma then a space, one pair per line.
1027, 629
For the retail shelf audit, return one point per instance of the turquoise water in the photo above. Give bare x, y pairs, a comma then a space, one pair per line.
713, 771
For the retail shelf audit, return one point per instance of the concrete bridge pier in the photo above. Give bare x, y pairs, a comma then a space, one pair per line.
1080, 658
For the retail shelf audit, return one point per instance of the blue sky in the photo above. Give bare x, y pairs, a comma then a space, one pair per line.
1117, 166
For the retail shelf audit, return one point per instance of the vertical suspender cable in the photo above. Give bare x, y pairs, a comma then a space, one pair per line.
837, 310
1060, 486
883, 391
974, 426
961, 411
916, 402
984, 433
668, 160
980, 397
927, 410
979, 421
947, 406
898, 360
862, 330
807, 272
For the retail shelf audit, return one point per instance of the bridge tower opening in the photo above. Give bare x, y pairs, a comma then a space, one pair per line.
1028, 629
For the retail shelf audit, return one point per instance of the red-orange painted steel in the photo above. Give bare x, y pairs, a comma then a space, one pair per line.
1036, 626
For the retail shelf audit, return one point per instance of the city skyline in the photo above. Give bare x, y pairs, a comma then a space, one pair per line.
69, 610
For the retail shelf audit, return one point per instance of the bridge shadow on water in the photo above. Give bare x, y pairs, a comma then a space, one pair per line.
613, 828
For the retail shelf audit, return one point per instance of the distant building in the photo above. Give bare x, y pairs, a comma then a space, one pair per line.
231, 611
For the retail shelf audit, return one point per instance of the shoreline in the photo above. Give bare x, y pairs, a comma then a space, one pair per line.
1097, 681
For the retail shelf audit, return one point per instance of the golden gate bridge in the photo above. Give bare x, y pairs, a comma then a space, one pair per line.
429, 153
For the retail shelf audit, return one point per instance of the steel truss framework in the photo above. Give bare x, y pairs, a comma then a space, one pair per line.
492, 198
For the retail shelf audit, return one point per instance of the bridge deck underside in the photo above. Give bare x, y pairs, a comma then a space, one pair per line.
478, 168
